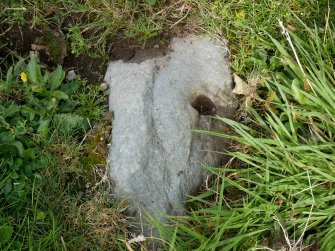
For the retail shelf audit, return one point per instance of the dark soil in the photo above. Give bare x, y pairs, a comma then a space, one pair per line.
129, 49
53, 50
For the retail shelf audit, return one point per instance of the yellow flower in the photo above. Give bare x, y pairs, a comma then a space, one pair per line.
24, 77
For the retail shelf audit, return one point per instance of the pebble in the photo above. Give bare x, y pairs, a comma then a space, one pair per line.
71, 75
104, 87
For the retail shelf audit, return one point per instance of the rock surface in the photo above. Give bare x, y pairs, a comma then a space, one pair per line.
155, 159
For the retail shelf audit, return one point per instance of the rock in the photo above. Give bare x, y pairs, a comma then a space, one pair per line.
103, 87
71, 75
155, 159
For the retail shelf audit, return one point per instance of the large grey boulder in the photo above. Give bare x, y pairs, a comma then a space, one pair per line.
155, 159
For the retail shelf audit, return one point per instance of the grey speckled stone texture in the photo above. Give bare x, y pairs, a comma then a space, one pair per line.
155, 159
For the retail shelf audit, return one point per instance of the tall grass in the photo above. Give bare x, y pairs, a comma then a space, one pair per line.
278, 190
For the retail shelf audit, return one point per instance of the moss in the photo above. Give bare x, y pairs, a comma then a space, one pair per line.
55, 45
96, 150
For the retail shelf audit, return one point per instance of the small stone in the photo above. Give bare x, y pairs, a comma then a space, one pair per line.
71, 75
156, 46
104, 87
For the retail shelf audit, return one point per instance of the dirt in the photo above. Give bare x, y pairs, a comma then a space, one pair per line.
134, 51
53, 49
204, 105
281, 245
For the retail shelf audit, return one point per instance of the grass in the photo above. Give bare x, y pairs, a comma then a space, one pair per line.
92, 25
278, 186
53, 163
287, 151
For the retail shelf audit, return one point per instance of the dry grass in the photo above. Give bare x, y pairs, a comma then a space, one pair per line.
105, 224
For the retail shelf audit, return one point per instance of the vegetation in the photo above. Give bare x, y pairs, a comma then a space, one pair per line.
277, 191
43, 119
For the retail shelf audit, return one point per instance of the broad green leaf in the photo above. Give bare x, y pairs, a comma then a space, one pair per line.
28, 169
20, 130
17, 163
34, 71
56, 77
60, 95
46, 93
8, 186
27, 112
10, 110
7, 137
46, 77
42, 162
17, 121
9, 75
14, 175
29, 153
4, 123
52, 103
38, 88
71, 87
17, 146
67, 122
43, 127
